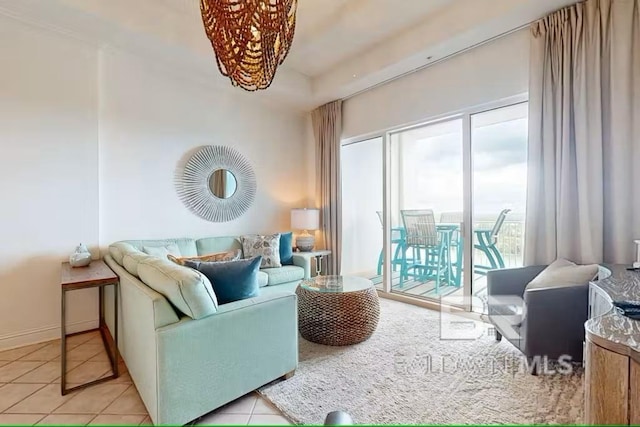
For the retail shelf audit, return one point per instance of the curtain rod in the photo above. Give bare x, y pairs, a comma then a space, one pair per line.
444, 58
456, 53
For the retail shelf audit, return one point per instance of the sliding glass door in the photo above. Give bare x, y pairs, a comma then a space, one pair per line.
429, 209
362, 237
426, 205
499, 153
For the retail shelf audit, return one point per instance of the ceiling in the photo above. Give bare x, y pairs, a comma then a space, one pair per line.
341, 46
330, 31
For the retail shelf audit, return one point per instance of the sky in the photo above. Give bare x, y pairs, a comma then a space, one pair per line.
432, 169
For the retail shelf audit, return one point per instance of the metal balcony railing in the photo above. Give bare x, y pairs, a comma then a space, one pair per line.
510, 242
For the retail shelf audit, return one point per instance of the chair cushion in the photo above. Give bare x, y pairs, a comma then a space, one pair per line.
162, 251
217, 257
562, 272
188, 290
284, 274
286, 248
267, 247
231, 280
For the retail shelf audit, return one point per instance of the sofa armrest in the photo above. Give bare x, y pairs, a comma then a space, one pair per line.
141, 311
241, 347
142, 297
554, 323
511, 281
303, 261
252, 302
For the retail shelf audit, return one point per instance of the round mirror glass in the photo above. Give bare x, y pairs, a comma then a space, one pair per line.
222, 183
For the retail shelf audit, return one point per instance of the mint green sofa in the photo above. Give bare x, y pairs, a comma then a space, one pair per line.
184, 368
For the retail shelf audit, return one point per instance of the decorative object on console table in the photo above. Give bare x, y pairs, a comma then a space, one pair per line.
81, 257
99, 275
305, 219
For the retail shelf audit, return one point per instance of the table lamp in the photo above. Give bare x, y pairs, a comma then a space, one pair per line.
305, 219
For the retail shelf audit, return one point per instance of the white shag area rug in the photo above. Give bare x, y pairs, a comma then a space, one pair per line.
406, 374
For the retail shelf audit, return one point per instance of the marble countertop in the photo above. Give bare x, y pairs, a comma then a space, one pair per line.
611, 330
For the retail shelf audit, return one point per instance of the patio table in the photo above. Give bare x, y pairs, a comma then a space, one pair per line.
446, 230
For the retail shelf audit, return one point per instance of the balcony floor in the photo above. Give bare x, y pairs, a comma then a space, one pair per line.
427, 290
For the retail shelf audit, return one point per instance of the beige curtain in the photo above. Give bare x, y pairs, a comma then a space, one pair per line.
327, 128
583, 200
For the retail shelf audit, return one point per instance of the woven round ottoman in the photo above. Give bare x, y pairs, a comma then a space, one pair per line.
337, 310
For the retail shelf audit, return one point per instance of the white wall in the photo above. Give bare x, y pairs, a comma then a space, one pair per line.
150, 121
490, 72
48, 163
89, 143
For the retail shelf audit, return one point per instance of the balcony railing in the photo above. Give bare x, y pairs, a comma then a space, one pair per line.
510, 242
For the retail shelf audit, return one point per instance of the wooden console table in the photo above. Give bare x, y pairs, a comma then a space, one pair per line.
612, 353
97, 274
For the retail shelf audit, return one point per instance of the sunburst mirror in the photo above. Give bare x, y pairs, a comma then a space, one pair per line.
217, 183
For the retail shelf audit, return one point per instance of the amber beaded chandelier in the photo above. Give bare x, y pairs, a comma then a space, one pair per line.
250, 38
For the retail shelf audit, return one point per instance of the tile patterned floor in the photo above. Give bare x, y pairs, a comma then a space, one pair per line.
30, 390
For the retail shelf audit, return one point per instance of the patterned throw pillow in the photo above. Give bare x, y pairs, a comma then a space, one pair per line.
268, 247
217, 257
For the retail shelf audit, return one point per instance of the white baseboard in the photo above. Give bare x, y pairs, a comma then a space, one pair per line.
34, 336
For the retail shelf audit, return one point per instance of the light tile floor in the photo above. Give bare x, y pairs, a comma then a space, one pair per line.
30, 390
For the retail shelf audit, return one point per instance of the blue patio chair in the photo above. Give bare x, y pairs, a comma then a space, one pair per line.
397, 238
486, 243
454, 220
421, 234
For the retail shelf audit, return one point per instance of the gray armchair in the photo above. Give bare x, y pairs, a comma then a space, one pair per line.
541, 322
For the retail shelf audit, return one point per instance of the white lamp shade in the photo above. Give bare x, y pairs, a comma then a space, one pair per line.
305, 219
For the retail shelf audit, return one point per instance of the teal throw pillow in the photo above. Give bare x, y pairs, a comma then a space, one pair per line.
231, 280
286, 248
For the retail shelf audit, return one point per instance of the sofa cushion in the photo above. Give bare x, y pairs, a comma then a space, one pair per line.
231, 280
263, 279
289, 287
286, 248
265, 246
210, 245
119, 249
562, 272
188, 290
217, 257
132, 259
284, 274
162, 251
